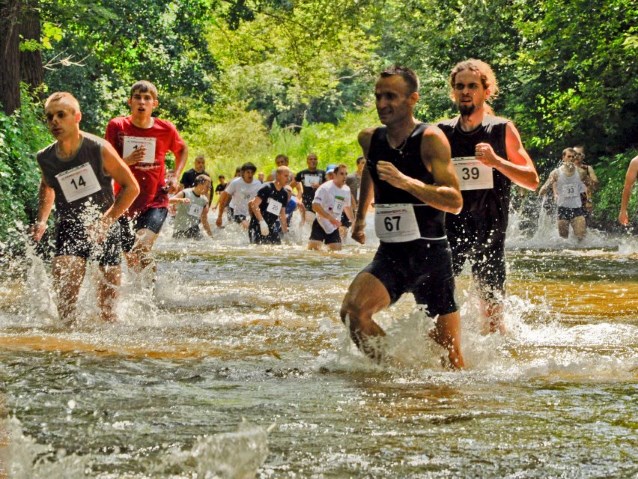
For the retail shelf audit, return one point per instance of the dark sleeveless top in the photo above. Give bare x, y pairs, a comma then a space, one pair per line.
492, 203
90, 152
408, 161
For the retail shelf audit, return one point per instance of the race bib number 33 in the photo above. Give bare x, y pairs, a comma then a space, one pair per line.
473, 175
396, 223
78, 182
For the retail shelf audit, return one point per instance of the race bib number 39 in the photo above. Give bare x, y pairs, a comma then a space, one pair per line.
473, 175
132, 143
78, 182
396, 223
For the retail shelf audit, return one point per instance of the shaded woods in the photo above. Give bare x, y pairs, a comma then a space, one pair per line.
247, 79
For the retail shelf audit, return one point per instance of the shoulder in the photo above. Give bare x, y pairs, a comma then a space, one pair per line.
365, 136
46, 151
448, 124
94, 140
164, 124
119, 122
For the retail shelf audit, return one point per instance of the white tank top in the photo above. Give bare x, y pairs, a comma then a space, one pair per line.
569, 189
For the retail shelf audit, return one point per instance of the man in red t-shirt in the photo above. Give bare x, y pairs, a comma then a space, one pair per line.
143, 141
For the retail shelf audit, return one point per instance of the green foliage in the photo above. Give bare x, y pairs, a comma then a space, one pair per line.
611, 173
21, 136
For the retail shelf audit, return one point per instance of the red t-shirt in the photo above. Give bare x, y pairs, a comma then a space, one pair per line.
151, 173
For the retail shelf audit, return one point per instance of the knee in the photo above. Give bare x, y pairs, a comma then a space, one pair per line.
352, 312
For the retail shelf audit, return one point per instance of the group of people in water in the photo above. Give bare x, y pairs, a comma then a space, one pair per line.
441, 197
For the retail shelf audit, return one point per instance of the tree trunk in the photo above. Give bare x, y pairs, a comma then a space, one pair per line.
31, 70
10, 55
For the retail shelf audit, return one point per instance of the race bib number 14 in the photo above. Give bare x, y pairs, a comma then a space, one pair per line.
78, 182
396, 223
473, 175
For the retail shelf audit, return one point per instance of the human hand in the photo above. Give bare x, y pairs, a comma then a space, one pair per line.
136, 156
485, 154
263, 228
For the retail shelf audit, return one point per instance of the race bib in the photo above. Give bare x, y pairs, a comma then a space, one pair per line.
273, 207
473, 175
308, 180
396, 223
569, 191
132, 143
78, 182
338, 206
195, 210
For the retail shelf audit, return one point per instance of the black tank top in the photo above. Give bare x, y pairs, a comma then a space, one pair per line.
408, 161
492, 203
88, 156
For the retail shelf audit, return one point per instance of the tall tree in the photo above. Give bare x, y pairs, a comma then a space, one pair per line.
10, 55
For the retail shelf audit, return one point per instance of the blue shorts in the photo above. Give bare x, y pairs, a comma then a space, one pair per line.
152, 219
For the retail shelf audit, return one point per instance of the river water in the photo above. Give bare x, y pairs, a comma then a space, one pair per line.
237, 366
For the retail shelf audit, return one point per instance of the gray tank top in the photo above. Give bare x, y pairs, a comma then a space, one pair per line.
79, 182
189, 215
569, 189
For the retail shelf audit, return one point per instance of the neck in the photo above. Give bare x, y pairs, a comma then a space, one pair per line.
142, 121
399, 132
66, 147
473, 120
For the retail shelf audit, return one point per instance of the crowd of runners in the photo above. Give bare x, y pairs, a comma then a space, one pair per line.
441, 195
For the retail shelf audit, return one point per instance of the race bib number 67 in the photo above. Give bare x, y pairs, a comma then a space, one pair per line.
396, 223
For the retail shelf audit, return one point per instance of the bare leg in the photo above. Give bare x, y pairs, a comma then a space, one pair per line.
563, 228
335, 246
366, 296
493, 312
140, 256
314, 245
68, 274
108, 287
579, 224
447, 333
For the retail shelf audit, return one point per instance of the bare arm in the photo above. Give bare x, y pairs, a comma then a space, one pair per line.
366, 193
224, 199
444, 194
46, 197
253, 205
283, 220
205, 223
317, 208
630, 180
180, 161
520, 167
550, 182
117, 169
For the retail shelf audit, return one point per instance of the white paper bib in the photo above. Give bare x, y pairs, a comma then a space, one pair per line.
195, 210
473, 175
132, 143
569, 191
78, 182
273, 207
308, 180
338, 206
396, 223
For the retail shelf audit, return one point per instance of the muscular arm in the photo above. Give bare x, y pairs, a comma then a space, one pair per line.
205, 223
253, 205
224, 199
520, 168
549, 183
180, 161
630, 179
444, 194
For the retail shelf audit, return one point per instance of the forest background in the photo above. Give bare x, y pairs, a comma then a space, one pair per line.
245, 80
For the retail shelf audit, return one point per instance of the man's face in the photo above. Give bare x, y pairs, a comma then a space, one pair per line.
469, 93
200, 165
340, 176
283, 177
142, 103
568, 158
312, 161
62, 120
392, 99
281, 161
248, 175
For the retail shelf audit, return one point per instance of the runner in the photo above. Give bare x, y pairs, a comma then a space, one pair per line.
143, 141
408, 164
221, 186
354, 182
77, 170
192, 209
199, 168
568, 186
268, 219
630, 180
310, 179
237, 195
588, 175
332, 200
488, 156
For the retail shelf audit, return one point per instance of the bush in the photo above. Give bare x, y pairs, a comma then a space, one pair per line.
21, 136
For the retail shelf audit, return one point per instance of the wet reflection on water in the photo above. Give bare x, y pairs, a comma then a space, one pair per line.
233, 332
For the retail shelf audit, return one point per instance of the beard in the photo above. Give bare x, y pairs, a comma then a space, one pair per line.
466, 110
